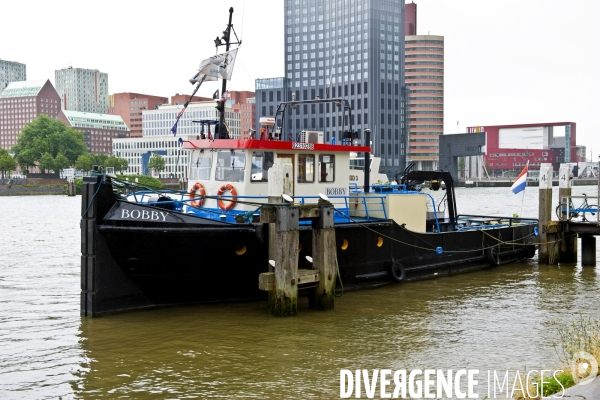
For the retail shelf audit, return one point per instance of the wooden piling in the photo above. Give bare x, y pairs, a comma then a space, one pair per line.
71, 187
324, 256
280, 183
283, 243
568, 243
545, 216
183, 183
283, 296
588, 250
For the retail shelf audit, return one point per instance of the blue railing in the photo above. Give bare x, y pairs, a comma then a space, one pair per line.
347, 208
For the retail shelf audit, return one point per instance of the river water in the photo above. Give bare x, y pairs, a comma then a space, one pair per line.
495, 319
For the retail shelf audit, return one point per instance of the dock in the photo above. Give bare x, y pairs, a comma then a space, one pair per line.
558, 239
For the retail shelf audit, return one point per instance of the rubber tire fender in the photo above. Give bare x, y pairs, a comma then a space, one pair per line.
530, 251
397, 271
493, 256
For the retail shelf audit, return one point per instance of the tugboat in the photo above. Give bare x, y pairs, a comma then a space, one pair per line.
143, 248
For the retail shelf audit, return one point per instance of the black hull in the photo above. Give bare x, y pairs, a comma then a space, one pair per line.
137, 263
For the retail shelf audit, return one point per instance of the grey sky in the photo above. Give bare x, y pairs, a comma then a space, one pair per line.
506, 62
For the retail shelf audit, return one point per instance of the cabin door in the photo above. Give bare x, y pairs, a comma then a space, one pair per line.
289, 158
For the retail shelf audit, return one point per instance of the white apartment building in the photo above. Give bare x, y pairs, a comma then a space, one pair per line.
84, 90
157, 137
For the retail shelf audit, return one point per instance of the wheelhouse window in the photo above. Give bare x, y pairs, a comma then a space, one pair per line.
230, 166
261, 162
326, 167
201, 165
306, 168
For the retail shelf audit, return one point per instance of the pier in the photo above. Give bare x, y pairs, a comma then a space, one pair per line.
558, 239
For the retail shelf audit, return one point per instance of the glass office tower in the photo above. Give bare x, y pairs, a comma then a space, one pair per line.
354, 50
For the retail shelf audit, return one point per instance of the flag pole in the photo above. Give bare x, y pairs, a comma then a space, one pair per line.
523, 199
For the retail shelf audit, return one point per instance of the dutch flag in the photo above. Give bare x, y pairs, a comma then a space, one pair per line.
521, 181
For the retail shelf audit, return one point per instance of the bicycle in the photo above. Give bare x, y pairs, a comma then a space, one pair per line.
574, 212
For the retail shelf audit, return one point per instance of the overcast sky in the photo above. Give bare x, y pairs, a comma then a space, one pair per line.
506, 62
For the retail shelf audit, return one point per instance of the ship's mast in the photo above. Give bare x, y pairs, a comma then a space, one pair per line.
222, 131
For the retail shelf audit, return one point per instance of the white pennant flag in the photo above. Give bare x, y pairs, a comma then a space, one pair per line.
218, 66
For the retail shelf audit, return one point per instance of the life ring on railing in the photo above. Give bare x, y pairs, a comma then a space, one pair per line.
493, 255
201, 192
397, 271
222, 190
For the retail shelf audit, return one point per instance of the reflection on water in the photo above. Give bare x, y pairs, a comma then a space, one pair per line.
493, 319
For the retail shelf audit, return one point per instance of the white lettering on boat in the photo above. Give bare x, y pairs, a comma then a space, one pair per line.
303, 146
336, 191
144, 215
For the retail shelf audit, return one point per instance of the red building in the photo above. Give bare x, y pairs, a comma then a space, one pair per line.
180, 99
410, 19
21, 103
130, 107
247, 117
509, 147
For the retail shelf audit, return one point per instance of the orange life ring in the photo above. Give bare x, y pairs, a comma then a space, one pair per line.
197, 187
222, 190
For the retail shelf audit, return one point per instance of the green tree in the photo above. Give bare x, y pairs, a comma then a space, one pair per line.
46, 162
100, 159
7, 163
85, 162
46, 135
157, 162
61, 162
119, 164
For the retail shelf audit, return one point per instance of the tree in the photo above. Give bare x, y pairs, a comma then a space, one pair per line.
61, 162
7, 163
85, 162
46, 135
119, 164
100, 159
157, 162
46, 162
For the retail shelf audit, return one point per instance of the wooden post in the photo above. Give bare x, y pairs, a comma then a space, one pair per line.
568, 244
545, 211
183, 183
283, 299
71, 187
279, 183
283, 243
324, 255
588, 250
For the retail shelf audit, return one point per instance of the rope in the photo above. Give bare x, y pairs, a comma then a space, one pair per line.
434, 249
337, 267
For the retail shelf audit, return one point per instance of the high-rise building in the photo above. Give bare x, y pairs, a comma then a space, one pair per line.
425, 79
99, 130
21, 103
11, 71
130, 107
352, 50
84, 90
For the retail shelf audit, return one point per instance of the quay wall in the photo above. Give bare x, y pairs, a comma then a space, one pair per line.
32, 189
